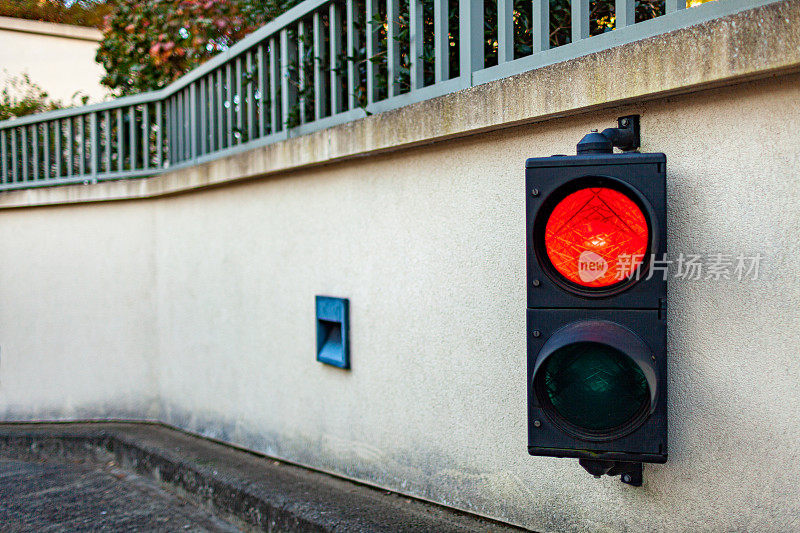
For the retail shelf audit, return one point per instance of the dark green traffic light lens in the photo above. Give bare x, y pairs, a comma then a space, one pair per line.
594, 387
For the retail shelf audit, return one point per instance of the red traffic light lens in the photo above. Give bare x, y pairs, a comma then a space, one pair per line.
596, 237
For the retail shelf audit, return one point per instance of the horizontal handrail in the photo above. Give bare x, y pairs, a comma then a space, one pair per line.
122, 101
322, 62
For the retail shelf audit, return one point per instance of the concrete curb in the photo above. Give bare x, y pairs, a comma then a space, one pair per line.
252, 491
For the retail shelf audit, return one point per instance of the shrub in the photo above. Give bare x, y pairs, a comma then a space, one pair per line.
147, 45
20, 97
79, 13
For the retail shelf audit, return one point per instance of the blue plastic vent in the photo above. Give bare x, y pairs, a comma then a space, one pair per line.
333, 331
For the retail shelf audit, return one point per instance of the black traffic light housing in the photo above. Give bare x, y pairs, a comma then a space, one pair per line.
620, 327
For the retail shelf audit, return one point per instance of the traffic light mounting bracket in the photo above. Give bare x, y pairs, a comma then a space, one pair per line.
625, 137
630, 473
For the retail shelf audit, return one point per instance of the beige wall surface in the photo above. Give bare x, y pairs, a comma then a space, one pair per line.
77, 336
57, 57
205, 302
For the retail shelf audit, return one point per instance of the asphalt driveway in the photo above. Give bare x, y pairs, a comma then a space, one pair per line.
63, 496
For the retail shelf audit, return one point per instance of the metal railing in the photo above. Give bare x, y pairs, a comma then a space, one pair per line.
321, 63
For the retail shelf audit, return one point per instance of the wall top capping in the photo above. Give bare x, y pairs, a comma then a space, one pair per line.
52, 29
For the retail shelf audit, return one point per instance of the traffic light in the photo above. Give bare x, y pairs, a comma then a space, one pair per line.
596, 307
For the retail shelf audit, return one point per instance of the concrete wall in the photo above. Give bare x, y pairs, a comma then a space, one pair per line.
57, 57
198, 309
76, 314
429, 247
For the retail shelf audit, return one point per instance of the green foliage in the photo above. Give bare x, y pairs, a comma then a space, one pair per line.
79, 13
147, 45
20, 97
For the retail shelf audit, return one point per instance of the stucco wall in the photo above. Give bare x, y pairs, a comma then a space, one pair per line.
57, 57
205, 301
429, 246
77, 336
190, 299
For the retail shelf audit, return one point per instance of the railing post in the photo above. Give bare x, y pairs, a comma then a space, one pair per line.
505, 31
580, 19
132, 135
169, 115
70, 147
14, 166
107, 140
624, 13
146, 135
392, 46
107, 135
202, 104
262, 90
24, 153
177, 124
372, 47
675, 5
95, 136
177, 137
240, 97
335, 39
352, 46
274, 82
229, 100
3, 155
181, 141
35, 149
212, 112
188, 125
288, 92
46, 146
251, 106
319, 78
177, 127
301, 69
441, 41
194, 131
416, 42
541, 25
470, 38
220, 102
59, 131
81, 145
120, 140
159, 136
